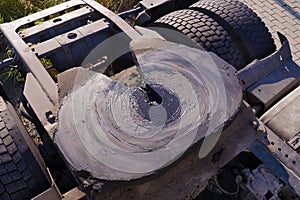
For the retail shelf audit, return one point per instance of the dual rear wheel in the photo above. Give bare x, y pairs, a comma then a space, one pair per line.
228, 28
21, 176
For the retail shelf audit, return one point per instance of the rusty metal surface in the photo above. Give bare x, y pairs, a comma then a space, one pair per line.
108, 130
49, 11
115, 135
189, 176
258, 69
152, 3
277, 163
70, 52
61, 24
66, 49
74, 194
32, 63
269, 79
153, 9
117, 20
283, 151
40, 103
284, 117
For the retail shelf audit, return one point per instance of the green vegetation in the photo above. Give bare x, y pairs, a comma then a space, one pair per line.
13, 9
12, 74
118, 5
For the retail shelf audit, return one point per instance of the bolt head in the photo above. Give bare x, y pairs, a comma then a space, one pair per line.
254, 123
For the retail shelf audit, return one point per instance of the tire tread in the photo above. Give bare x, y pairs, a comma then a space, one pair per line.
205, 31
241, 22
17, 180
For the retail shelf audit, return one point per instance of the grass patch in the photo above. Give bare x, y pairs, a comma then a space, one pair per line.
12, 74
14, 9
118, 5
11, 9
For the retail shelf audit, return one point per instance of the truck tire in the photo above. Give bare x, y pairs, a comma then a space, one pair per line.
20, 174
205, 31
241, 23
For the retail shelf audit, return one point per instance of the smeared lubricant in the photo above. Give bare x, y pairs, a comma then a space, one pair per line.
108, 128
169, 101
151, 96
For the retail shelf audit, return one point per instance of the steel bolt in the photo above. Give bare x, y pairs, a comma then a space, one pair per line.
50, 117
260, 129
254, 123
286, 70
